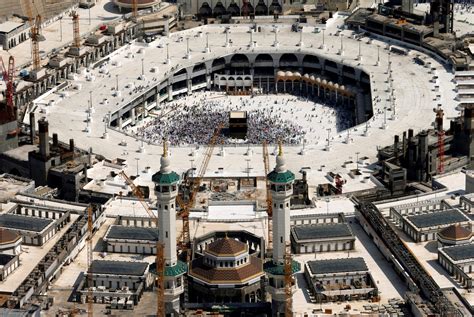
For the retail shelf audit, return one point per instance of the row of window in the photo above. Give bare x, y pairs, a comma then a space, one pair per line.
216, 263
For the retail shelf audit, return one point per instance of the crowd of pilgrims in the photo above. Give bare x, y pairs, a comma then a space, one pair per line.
192, 123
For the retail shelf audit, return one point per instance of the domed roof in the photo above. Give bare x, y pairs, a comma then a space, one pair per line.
342, 87
280, 73
336, 85
306, 76
312, 77
318, 79
330, 83
8, 236
226, 247
297, 74
289, 74
456, 233
139, 2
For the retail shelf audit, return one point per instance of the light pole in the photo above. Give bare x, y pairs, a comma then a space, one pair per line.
116, 82
143, 67
328, 143
60, 29
327, 205
357, 161
137, 159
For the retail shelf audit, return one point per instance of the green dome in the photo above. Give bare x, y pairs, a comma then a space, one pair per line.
279, 269
282, 177
168, 178
179, 269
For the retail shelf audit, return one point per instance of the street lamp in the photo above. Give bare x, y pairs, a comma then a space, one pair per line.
137, 159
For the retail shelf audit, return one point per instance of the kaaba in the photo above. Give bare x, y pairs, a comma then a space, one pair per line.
238, 124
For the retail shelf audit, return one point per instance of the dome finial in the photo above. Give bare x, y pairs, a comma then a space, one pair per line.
165, 147
165, 161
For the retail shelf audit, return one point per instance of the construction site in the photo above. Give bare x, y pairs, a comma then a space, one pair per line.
256, 158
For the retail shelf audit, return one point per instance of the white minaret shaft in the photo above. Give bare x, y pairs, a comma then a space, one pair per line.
281, 195
166, 193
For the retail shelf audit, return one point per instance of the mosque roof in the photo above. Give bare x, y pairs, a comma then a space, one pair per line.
226, 247
456, 233
8, 236
233, 275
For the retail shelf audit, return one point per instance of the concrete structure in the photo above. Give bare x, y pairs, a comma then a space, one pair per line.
340, 280
425, 226
141, 4
118, 283
322, 238
458, 260
137, 240
13, 33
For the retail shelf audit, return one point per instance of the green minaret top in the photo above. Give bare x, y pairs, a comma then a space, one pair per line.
165, 175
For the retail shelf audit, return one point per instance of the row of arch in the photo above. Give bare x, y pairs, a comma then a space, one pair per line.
312, 79
286, 60
219, 9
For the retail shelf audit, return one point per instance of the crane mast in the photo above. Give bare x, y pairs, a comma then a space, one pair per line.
160, 259
268, 198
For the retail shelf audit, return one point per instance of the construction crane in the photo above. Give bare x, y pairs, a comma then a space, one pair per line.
8, 114
135, 8
184, 238
268, 199
138, 194
76, 34
160, 262
36, 37
288, 282
439, 127
90, 257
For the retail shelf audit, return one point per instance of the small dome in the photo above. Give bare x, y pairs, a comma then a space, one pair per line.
324, 81
342, 87
289, 74
297, 74
455, 233
8, 236
312, 78
226, 246
280, 73
330, 83
306, 76
336, 85
318, 80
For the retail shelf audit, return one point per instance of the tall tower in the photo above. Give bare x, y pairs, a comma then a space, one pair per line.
281, 188
166, 189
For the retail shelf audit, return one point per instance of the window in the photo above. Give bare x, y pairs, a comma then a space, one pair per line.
166, 234
281, 205
281, 239
166, 207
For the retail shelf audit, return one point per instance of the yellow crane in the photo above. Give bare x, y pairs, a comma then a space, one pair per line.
184, 238
90, 257
268, 199
76, 33
160, 262
288, 282
36, 37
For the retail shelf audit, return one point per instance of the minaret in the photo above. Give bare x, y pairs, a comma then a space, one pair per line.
281, 188
166, 190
